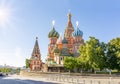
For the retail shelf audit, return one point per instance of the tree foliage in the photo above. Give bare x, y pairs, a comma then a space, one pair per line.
5, 70
70, 63
27, 62
113, 54
96, 55
92, 54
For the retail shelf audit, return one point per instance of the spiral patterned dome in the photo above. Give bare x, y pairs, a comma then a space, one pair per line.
53, 33
77, 32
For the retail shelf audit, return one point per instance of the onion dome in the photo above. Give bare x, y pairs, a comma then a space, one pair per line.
64, 41
77, 32
53, 33
56, 50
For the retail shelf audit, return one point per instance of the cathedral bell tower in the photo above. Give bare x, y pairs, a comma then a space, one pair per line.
68, 33
35, 60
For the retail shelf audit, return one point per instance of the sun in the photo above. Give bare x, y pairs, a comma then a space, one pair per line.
5, 14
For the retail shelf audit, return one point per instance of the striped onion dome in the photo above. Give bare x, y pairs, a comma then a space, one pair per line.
53, 33
77, 32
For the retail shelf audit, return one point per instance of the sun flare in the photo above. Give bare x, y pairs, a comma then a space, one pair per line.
5, 14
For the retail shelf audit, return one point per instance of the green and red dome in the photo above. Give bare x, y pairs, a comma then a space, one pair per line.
53, 33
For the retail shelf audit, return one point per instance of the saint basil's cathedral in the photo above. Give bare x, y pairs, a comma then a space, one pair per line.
58, 48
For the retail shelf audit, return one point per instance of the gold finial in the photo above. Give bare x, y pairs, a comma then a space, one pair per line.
69, 14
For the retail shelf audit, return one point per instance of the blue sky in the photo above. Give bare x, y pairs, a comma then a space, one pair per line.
27, 19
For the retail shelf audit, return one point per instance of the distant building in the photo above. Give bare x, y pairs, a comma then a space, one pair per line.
35, 60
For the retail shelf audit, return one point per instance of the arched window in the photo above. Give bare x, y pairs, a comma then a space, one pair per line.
61, 58
36, 56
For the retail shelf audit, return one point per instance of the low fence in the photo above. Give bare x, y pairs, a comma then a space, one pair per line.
82, 80
75, 78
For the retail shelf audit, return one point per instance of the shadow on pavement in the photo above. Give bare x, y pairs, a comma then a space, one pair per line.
1, 77
3, 80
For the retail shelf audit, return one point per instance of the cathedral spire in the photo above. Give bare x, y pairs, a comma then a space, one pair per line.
69, 24
35, 60
36, 50
69, 29
69, 16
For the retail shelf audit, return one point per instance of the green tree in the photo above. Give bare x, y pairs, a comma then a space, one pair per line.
18, 71
27, 62
83, 59
70, 63
5, 70
113, 54
92, 54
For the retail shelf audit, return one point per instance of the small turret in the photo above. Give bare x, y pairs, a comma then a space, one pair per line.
59, 42
64, 41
